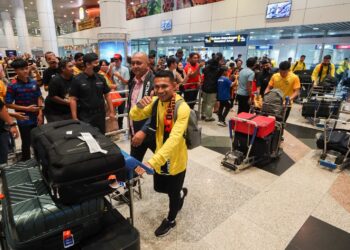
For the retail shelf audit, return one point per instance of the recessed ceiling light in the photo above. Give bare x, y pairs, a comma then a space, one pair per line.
6, 10
64, 15
315, 28
98, 2
61, 6
71, 1
132, 3
281, 30
26, 7
31, 2
72, 12
252, 32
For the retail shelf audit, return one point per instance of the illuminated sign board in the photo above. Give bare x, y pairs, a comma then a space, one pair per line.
225, 41
166, 25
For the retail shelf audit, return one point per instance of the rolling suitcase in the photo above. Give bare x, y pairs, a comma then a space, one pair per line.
260, 149
304, 75
32, 220
321, 108
70, 170
266, 125
337, 141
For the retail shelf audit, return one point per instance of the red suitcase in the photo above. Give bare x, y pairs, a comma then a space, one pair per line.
266, 125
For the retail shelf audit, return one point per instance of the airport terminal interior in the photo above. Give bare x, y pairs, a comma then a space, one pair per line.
175, 124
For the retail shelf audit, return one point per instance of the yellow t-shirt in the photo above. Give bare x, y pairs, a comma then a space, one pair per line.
3, 90
76, 71
317, 69
287, 84
298, 66
174, 150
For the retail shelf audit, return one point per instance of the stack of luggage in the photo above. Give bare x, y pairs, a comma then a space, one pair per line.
305, 80
57, 201
321, 107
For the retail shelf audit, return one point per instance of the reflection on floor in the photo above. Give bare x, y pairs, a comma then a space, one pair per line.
291, 202
318, 235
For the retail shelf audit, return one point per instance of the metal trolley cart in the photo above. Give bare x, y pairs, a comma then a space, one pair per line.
335, 145
126, 192
237, 160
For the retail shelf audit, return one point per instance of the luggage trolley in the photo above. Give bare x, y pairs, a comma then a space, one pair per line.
237, 160
334, 157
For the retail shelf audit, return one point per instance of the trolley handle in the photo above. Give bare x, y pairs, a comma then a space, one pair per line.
131, 163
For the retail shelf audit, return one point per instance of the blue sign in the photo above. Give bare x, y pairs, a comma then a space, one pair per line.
263, 47
166, 25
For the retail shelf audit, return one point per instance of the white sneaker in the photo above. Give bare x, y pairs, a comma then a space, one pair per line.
222, 124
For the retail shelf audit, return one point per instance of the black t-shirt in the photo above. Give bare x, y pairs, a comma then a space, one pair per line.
58, 86
48, 74
263, 80
2, 123
90, 91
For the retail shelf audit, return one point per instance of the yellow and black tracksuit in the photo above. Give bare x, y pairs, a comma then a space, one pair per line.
298, 65
318, 76
170, 158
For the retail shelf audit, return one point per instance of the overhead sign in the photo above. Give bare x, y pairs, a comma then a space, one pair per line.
225, 41
263, 47
342, 46
166, 25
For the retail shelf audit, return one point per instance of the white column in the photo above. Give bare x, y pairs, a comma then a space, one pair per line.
113, 16
10, 37
47, 25
2, 33
114, 31
21, 26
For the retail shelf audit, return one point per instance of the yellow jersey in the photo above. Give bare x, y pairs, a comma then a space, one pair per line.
287, 84
174, 150
343, 66
298, 66
3, 90
76, 71
329, 69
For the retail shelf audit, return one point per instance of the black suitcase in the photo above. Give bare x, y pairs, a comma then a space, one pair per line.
304, 75
323, 108
337, 141
71, 171
261, 147
32, 220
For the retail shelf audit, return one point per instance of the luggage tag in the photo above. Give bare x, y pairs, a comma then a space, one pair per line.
68, 239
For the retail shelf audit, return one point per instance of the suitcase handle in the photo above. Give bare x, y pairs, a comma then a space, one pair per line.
65, 123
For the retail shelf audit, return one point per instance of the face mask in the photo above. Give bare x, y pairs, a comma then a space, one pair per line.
96, 69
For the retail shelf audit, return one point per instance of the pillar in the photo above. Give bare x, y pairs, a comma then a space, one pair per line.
8, 29
113, 34
47, 25
21, 26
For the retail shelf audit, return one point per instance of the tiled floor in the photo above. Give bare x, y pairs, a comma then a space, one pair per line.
289, 203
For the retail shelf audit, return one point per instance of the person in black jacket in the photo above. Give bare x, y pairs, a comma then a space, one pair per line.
264, 76
211, 73
140, 86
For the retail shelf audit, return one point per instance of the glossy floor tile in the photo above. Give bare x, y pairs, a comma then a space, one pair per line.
318, 235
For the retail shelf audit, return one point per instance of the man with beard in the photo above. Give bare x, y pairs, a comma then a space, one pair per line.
88, 93
322, 70
52, 70
79, 63
264, 76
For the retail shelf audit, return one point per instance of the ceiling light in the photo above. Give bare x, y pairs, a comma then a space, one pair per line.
315, 28
72, 12
26, 7
281, 30
6, 10
31, 2
98, 2
61, 6
132, 3
227, 34
71, 1
252, 32
189, 36
65, 16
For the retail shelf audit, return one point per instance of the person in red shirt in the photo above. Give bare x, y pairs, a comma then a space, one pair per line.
191, 87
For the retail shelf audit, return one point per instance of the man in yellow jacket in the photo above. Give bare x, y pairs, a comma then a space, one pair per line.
343, 67
322, 70
299, 65
170, 158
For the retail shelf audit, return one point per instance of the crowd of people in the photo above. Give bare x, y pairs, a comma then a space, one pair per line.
80, 88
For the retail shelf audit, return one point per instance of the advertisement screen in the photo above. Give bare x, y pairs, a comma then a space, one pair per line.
142, 8
109, 48
278, 10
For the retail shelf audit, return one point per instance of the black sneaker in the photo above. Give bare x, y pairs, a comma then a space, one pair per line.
164, 228
185, 191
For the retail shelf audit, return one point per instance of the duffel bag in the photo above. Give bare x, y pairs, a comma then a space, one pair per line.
321, 109
73, 173
337, 141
